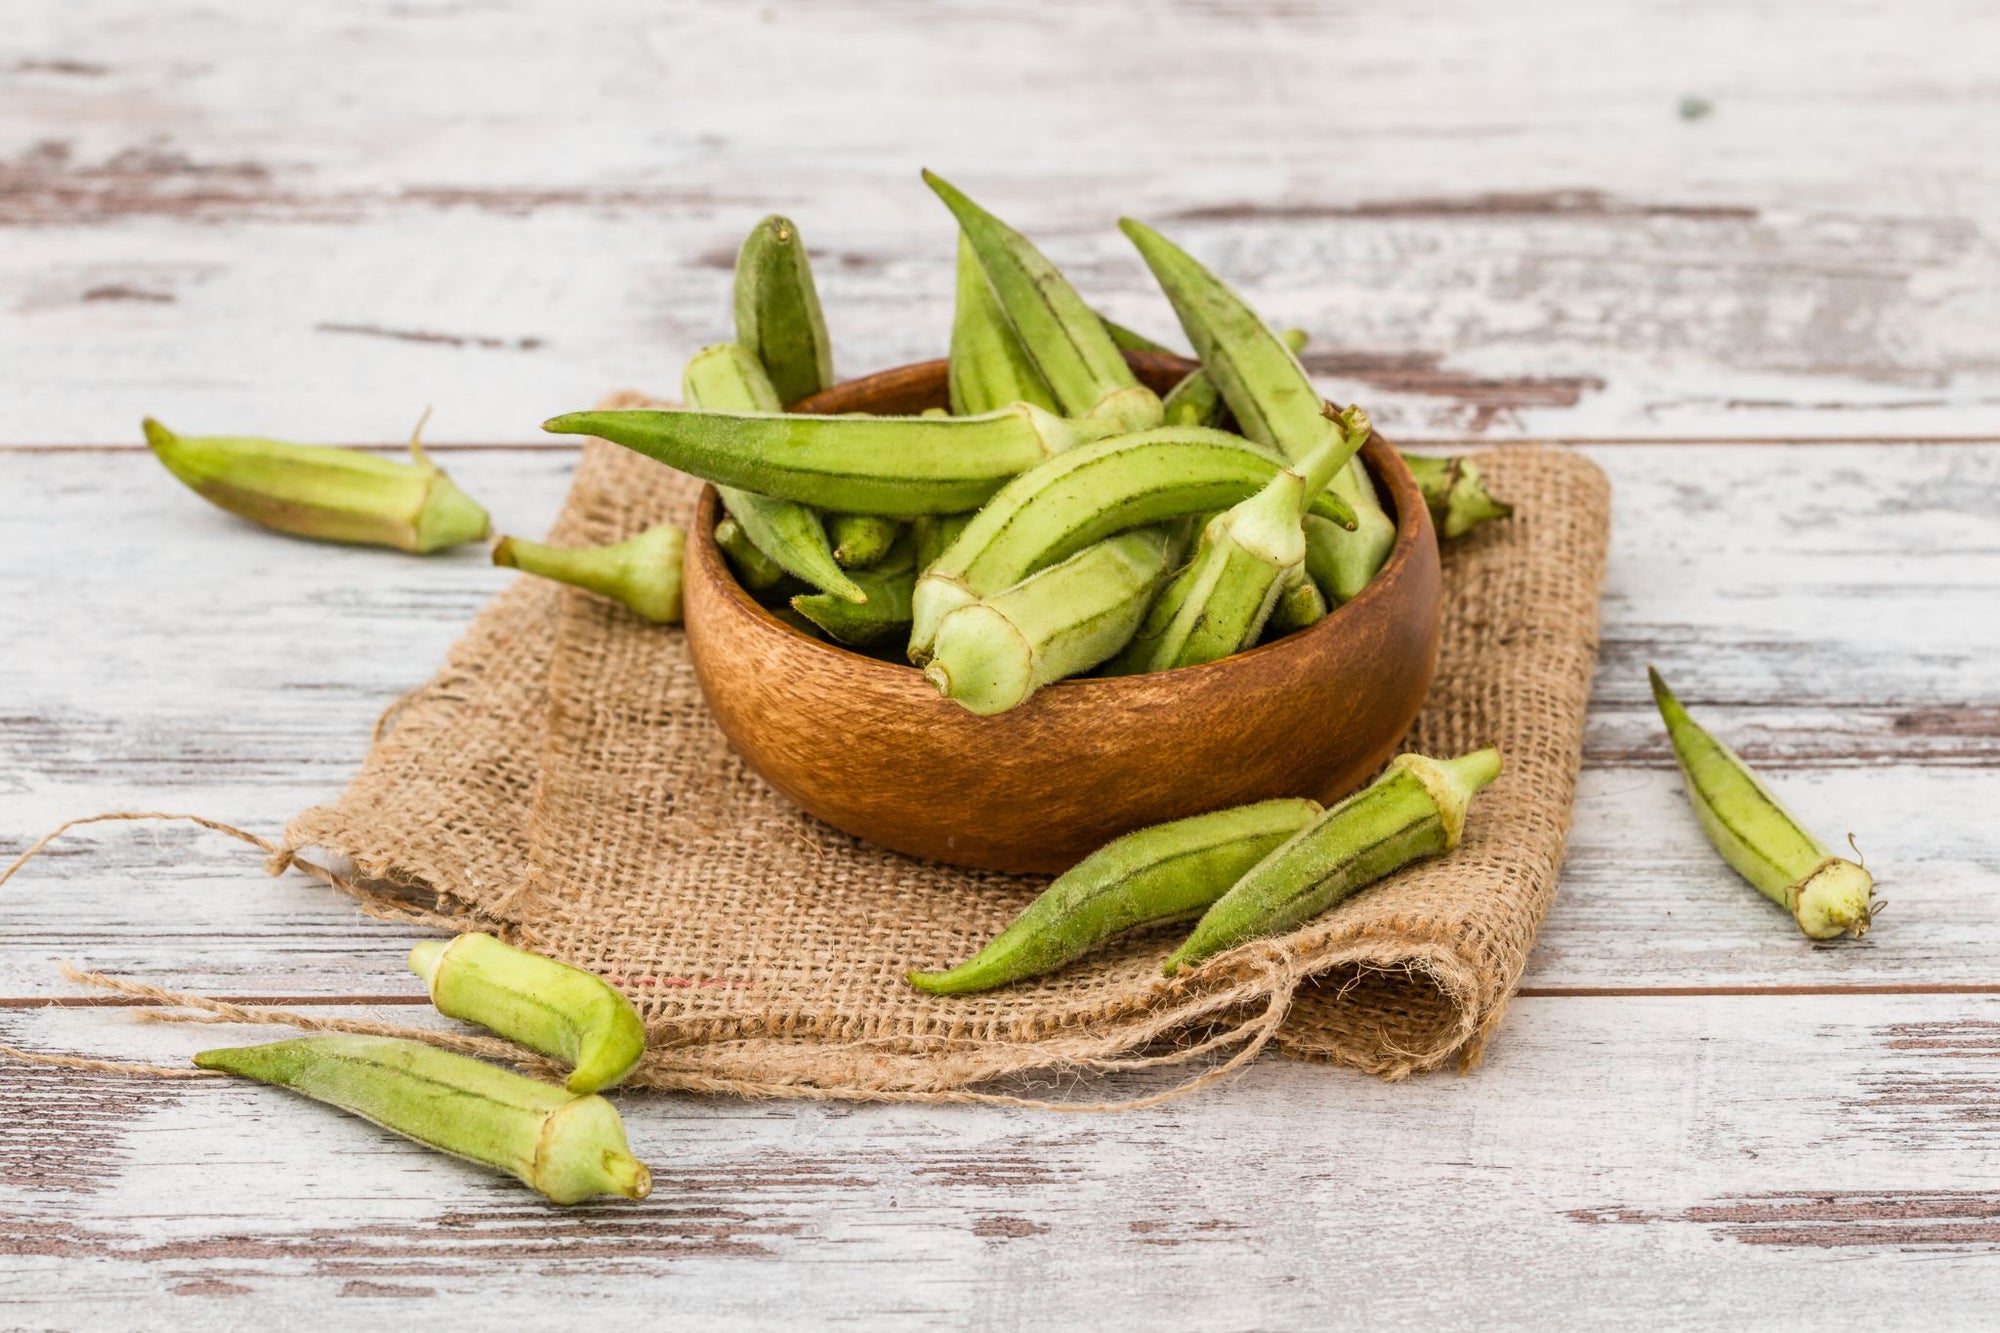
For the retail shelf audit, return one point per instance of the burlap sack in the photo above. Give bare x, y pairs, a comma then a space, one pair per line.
561, 782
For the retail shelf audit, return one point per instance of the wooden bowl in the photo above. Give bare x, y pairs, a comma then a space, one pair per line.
869, 747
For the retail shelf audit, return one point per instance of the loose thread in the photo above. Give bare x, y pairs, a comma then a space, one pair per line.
278, 860
89, 1065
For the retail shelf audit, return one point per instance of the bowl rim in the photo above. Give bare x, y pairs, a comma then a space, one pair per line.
1391, 474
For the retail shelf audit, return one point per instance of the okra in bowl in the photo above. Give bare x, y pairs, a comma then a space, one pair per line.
871, 747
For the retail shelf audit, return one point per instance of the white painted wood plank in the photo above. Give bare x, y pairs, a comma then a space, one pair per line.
184, 660
1701, 1163
505, 209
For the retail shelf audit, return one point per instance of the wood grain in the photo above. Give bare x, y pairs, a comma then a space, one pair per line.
506, 209
1504, 225
1692, 1159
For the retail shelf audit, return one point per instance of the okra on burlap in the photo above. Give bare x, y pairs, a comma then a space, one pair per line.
561, 782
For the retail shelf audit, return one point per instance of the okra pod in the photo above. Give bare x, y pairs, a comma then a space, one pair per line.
1301, 605
989, 368
1156, 874
728, 378
992, 655
888, 584
1455, 493
1195, 401
1247, 558
566, 1146
1827, 895
899, 466
641, 573
1416, 809
329, 494
1083, 496
753, 569
562, 1011
859, 540
1131, 340
1272, 399
1063, 337
778, 315
934, 533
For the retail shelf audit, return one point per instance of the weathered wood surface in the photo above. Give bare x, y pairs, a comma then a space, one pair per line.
1711, 1163
1828, 636
1498, 223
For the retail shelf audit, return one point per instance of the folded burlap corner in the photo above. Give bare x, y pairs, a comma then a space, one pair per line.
561, 782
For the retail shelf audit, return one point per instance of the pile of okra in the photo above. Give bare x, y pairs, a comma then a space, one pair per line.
1061, 517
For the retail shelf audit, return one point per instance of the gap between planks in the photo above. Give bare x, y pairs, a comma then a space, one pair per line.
1524, 993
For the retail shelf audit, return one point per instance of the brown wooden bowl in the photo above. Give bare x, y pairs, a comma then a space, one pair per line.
870, 747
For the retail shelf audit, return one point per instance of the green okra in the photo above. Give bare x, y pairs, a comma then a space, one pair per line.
1195, 401
728, 378
1131, 340
1416, 809
1273, 400
1258, 375
992, 655
1247, 558
756, 571
1455, 493
934, 533
989, 368
1156, 874
562, 1011
1827, 895
329, 494
888, 584
1301, 605
641, 573
859, 540
898, 466
1344, 560
1065, 339
778, 315
566, 1146
1083, 496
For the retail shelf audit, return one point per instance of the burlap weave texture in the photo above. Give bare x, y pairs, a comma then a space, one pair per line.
560, 782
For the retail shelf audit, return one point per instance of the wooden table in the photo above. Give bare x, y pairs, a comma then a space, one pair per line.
1745, 259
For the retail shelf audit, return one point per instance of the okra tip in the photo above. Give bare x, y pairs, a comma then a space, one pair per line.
157, 436
570, 423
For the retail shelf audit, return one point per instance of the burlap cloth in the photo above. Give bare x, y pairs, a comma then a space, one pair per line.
560, 782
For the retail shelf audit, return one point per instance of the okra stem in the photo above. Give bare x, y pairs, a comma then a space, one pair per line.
641, 573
